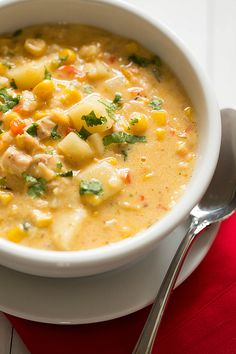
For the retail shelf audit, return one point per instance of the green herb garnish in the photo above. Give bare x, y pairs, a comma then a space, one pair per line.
8, 101
65, 174
83, 133
36, 186
139, 60
117, 100
134, 121
47, 74
54, 133
13, 84
17, 33
90, 187
122, 137
92, 120
156, 104
32, 130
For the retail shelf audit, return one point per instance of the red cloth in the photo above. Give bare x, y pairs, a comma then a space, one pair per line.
200, 319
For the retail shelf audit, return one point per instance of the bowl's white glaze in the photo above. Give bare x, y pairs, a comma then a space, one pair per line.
126, 20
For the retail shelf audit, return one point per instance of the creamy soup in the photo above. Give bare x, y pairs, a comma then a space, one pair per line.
97, 137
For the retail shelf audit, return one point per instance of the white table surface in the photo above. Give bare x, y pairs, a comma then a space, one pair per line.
208, 27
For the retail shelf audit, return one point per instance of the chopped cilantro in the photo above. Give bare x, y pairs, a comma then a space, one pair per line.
3, 182
54, 133
156, 104
13, 84
90, 187
92, 120
117, 100
32, 130
122, 137
47, 74
59, 165
88, 89
65, 174
8, 101
139, 60
83, 133
17, 33
134, 121
36, 186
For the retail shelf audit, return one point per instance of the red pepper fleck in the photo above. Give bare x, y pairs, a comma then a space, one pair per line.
112, 58
69, 130
141, 197
128, 178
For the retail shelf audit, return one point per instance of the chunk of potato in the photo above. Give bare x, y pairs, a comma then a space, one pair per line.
109, 178
28, 75
98, 71
66, 227
87, 105
95, 141
75, 149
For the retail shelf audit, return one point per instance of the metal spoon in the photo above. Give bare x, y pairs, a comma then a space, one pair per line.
218, 203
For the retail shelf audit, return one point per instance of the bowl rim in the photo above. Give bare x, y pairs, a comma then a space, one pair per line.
147, 238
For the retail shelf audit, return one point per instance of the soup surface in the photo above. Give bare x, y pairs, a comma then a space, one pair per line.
97, 137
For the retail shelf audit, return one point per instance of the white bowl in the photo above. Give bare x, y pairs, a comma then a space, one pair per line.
126, 20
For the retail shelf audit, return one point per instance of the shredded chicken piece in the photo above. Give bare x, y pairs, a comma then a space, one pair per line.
45, 126
14, 161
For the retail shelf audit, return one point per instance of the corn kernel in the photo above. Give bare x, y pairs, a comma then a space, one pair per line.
70, 96
8, 118
5, 197
93, 200
138, 122
44, 89
20, 141
182, 148
112, 160
40, 114
59, 117
35, 46
41, 219
17, 234
3, 69
68, 56
160, 133
148, 176
159, 117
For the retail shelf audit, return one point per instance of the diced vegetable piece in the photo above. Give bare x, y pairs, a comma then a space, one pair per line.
17, 234
5, 197
109, 178
98, 71
90, 104
159, 117
17, 126
95, 141
70, 96
138, 122
27, 76
44, 89
75, 149
160, 133
66, 228
67, 56
35, 46
41, 219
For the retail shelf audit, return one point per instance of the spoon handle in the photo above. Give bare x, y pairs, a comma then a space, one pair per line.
148, 334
